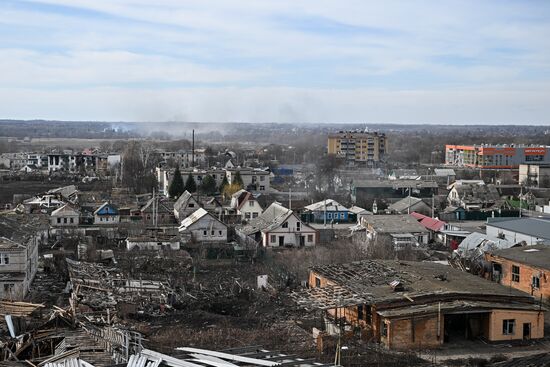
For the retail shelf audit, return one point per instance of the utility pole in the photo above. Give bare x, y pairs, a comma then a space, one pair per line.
193, 149
325, 214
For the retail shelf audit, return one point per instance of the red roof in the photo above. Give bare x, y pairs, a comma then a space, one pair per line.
432, 224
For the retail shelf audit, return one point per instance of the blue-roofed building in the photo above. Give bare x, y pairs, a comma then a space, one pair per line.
106, 214
330, 209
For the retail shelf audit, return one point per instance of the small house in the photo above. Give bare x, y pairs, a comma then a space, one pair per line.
107, 213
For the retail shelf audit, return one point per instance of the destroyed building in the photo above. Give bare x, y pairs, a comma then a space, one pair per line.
18, 266
407, 305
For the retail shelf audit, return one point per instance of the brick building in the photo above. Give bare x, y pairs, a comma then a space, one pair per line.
409, 305
524, 268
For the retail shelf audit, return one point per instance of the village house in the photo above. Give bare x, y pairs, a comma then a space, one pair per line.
243, 203
203, 228
359, 212
408, 205
18, 266
278, 226
402, 229
434, 225
532, 231
107, 213
158, 211
416, 305
526, 268
42, 204
473, 196
185, 205
66, 216
328, 211
212, 205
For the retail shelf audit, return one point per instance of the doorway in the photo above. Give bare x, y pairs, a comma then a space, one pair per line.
281, 240
302, 241
526, 331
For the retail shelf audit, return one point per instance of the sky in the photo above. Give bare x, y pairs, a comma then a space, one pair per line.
316, 61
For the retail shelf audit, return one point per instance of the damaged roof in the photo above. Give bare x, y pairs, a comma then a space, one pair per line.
537, 255
371, 278
273, 217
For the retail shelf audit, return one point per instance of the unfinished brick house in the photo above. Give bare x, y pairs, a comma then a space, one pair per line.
409, 305
524, 268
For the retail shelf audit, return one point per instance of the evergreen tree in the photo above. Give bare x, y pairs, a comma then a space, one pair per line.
208, 185
190, 184
176, 187
223, 184
238, 180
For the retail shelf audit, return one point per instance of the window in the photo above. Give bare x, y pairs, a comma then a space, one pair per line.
211, 233
204, 233
535, 283
262, 178
65, 220
329, 215
58, 220
191, 205
72, 220
220, 232
262, 188
8, 287
285, 225
508, 327
298, 224
273, 238
4, 259
384, 331
309, 238
515, 273
254, 215
250, 203
247, 215
360, 312
317, 282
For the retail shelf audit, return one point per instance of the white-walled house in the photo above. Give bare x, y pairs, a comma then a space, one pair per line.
278, 226
203, 227
254, 179
66, 216
245, 205
532, 231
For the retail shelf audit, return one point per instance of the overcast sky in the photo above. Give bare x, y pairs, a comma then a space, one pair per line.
276, 60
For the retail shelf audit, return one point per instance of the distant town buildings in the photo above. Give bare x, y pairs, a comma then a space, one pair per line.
495, 156
368, 148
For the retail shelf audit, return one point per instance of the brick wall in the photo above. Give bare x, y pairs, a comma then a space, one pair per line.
525, 277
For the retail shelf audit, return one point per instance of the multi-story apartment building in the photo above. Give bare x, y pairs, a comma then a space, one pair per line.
358, 147
495, 156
